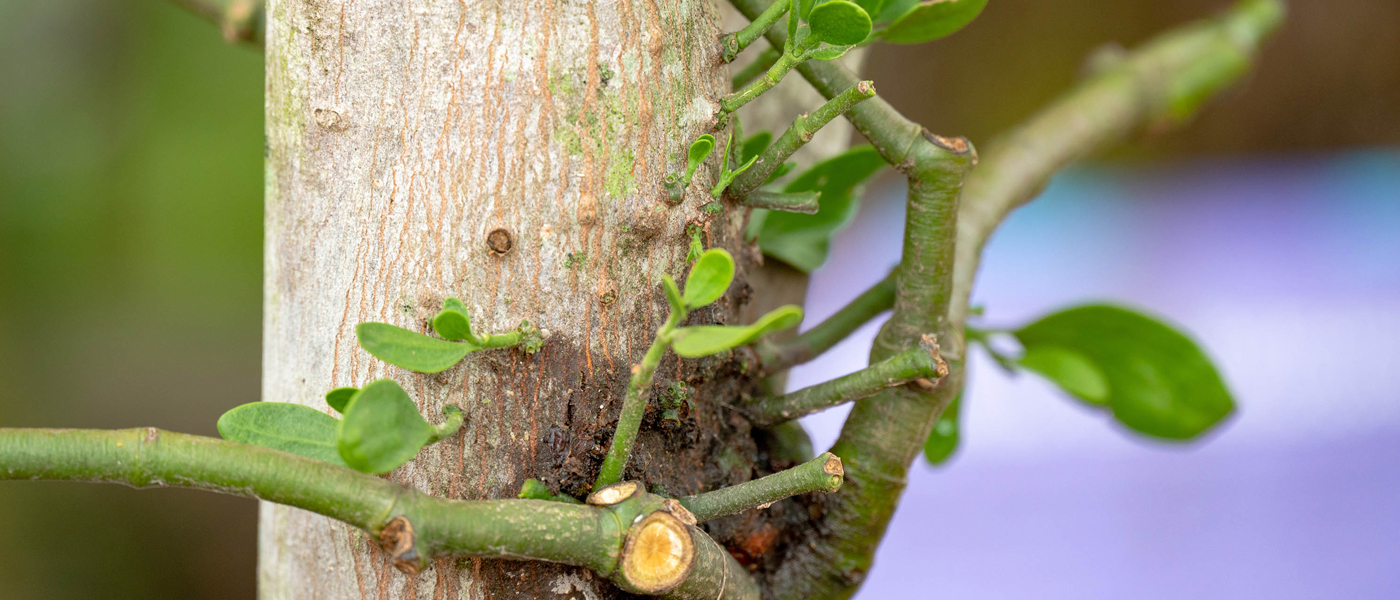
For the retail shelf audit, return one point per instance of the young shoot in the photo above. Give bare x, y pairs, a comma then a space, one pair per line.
700, 150
417, 352
709, 278
725, 175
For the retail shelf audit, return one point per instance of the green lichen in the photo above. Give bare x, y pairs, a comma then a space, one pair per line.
575, 259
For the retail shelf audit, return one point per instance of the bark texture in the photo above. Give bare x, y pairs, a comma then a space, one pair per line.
400, 136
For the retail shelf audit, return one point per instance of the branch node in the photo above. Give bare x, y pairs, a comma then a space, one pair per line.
398, 540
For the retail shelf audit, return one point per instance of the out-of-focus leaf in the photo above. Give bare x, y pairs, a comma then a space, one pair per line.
1159, 382
943, 440
803, 240
293, 428
1070, 370
930, 20
755, 145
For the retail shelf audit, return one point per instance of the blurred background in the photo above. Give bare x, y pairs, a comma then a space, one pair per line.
130, 273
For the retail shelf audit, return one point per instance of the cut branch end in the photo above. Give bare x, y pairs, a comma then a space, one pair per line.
658, 553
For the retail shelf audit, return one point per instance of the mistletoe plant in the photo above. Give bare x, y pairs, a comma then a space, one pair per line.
1146, 374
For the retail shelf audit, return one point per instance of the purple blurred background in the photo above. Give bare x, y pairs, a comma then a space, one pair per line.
1287, 269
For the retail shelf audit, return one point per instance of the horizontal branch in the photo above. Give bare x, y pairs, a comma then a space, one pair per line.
821, 474
798, 202
1159, 85
776, 357
920, 363
411, 526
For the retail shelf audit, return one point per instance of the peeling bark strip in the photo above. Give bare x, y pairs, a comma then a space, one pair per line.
550, 122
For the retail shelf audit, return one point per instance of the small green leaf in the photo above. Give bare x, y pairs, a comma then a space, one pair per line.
454, 322
802, 240
1071, 370
755, 145
1158, 381
839, 23
339, 398
534, 489
709, 278
930, 20
705, 340
382, 429
293, 428
673, 293
830, 52
943, 440
411, 350
700, 150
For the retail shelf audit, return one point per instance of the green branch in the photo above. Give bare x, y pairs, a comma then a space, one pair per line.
238, 20
798, 202
760, 64
888, 131
776, 357
921, 363
634, 405
790, 58
821, 474
796, 136
735, 43
1157, 86
412, 527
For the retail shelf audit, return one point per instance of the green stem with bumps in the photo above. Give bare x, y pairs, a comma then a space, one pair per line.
796, 136
760, 64
798, 202
821, 474
770, 78
634, 405
735, 43
921, 363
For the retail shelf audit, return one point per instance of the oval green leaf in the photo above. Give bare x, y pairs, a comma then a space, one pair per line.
839, 23
700, 150
706, 340
709, 278
1158, 381
411, 350
454, 322
943, 441
930, 20
339, 398
293, 428
381, 429
1070, 370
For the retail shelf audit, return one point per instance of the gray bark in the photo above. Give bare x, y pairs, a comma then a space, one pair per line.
399, 135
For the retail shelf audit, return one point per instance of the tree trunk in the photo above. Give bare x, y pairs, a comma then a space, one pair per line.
400, 137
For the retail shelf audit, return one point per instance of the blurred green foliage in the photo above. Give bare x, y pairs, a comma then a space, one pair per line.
130, 277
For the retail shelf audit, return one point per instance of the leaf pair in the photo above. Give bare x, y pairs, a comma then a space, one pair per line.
803, 240
1154, 379
380, 431
709, 278
417, 352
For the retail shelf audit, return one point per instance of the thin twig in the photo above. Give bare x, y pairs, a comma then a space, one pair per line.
821, 474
